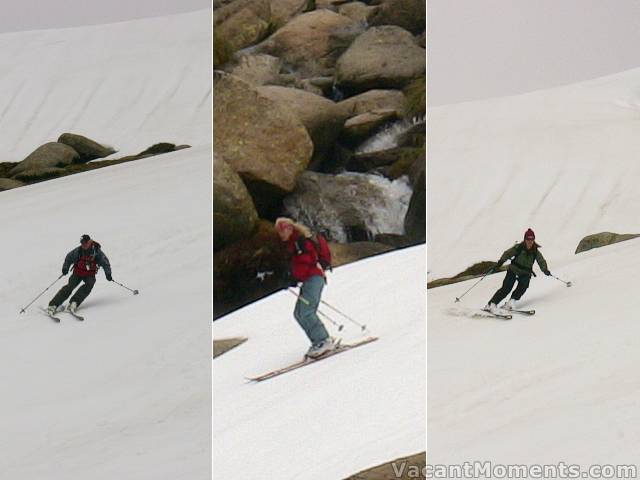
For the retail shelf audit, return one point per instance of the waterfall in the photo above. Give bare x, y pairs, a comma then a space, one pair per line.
388, 137
337, 204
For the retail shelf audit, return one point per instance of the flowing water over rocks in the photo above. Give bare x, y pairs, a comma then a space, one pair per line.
350, 206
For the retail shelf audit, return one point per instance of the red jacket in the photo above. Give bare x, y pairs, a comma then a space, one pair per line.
304, 263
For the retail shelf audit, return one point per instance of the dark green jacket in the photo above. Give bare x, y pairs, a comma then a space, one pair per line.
522, 264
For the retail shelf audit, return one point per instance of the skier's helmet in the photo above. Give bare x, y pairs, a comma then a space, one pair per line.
529, 235
85, 238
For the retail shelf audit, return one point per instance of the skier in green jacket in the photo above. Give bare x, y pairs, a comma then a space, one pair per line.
522, 255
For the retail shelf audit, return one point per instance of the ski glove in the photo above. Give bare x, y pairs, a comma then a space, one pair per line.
65, 271
547, 272
109, 279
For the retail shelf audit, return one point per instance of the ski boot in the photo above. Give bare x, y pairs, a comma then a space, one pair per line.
321, 348
73, 306
492, 308
510, 305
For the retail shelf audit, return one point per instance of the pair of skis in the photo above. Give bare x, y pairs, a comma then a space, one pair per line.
508, 316
342, 347
57, 319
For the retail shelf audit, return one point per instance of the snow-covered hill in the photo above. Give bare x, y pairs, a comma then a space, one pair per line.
124, 394
334, 418
562, 161
562, 385
129, 84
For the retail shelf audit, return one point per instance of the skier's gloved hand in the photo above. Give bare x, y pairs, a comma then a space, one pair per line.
65, 271
109, 278
547, 272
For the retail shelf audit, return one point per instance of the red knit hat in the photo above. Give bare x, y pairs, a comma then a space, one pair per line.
529, 235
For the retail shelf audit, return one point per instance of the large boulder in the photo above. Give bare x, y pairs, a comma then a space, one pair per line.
322, 118
603, 239
257, 69
312, 41
9, 183
382, 57
357, 11
49, 155
234, 215
242, 23
408, 14
261, 140
374, 100
86, 148
284, 10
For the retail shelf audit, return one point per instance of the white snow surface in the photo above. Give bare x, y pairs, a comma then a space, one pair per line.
128, 84
341, 415
124, 394
561, 385
562, 161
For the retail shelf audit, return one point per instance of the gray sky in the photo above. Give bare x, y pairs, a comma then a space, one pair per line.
487, 48
18, 15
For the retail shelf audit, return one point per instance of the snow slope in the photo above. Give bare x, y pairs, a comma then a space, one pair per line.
334, 418
124, 394
128, 84
562, 385
562, 161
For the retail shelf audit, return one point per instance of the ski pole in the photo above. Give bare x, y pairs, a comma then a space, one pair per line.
306, 302
362, 327
42, 293
568, 284
472, 286
135, 292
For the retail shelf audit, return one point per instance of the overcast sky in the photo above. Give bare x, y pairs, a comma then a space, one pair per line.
18, 15
487, 48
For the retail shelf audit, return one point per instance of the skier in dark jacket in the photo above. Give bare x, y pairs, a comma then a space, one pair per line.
86, 260
522, 255
305, 268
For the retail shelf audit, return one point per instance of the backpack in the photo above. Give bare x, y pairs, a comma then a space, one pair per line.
322, 249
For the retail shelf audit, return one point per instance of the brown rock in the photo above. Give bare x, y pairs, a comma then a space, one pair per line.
261, 141
322, 118
86, 148
49, 155
374, 100
361, 127
9, 183
234, 215
382, 57
312, 41
242, 23
603, 239
344, 253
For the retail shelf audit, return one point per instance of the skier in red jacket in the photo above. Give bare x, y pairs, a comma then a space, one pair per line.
306, 268
85, 260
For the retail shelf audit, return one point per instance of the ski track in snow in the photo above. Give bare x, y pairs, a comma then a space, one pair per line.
560, 385
122, 394
341, 415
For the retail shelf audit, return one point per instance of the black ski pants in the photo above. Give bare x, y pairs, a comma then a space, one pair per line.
82, 293
507, 285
